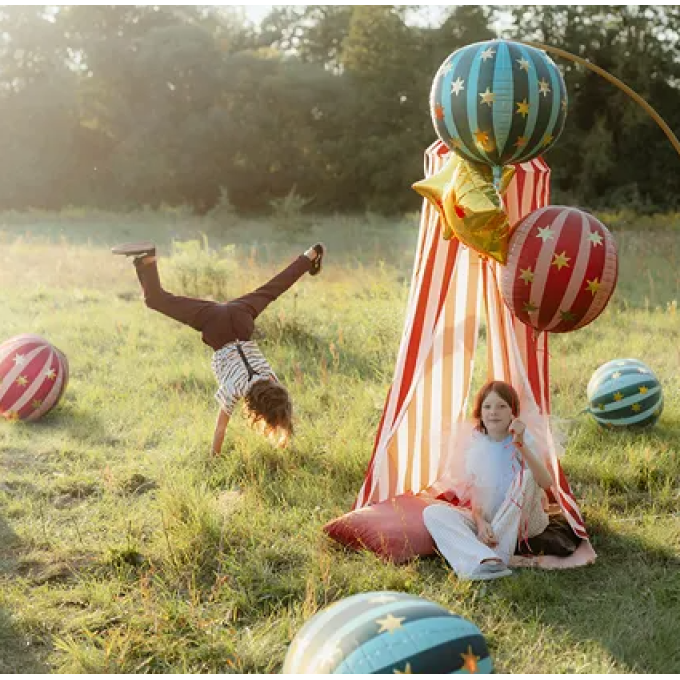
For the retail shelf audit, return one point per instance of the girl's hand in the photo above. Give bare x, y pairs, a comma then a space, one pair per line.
485, 533
517, 428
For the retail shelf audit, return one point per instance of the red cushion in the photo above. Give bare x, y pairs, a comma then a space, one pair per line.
393, 529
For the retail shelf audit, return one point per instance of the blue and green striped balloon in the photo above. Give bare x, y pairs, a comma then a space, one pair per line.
625, 393
387, 632
498, 102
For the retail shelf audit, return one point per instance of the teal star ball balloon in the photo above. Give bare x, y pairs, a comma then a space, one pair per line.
498, 102
387, 632
625, 393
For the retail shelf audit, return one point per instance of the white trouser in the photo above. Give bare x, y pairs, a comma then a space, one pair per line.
454, 532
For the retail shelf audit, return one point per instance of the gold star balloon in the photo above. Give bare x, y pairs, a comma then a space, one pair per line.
470, 206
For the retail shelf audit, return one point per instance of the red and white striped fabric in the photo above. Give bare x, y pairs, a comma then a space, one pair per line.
433, 374
561, 271
33, 376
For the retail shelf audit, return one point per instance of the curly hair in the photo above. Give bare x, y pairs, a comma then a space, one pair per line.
268, 408
505, 391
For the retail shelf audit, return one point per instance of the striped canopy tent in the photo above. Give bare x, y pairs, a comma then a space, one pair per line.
433, 374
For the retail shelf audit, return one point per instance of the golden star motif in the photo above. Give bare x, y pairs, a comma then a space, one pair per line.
566, 315
470, 661
523, 108
593, 286
601, 407
20, 359
595, 238
482, 138
618, 396
561, 260
527, 275
521, 141
529, 307
544, 87
406, 670
458, 86
487, 54
439, 112
390, 623
644, 390
616, 376
12, 416
36, 403
51, 374
636, 407
523, 64
488, 97
548, 139
545, 234
22, 381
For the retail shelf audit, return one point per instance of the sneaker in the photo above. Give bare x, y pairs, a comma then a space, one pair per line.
316, 265
140, 249
488, 571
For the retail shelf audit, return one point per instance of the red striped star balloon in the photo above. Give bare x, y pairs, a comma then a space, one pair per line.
561, 271
33, 376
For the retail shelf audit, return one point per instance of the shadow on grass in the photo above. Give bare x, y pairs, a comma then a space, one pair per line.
17, 655
627, 602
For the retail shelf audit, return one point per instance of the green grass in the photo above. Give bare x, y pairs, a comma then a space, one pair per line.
124, 548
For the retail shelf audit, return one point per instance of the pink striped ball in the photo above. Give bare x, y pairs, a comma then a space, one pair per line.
33, 376
561, 271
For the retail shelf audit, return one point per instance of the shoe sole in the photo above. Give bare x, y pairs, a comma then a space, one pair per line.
134, 248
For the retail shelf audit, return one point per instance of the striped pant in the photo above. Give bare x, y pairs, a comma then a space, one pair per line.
454, 533
218, 322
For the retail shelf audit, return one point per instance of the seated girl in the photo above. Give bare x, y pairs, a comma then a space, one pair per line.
500, 481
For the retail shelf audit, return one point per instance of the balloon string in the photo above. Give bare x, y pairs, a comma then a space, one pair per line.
615, 81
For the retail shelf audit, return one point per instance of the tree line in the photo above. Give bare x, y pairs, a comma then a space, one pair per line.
118, 107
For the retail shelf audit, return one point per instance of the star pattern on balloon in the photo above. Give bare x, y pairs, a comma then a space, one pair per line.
523, 64
527, 275
636, 407
567, 315
544, 87
470, 661
561, 260
407, 670
529, 307
458, 86
20, 359
36, 403
487, 54
644, 390
521, 141
22, 381
545, 234
390, 623
523, 108
616, 376
439, 112
50, 374
595, 238
594, 285
547, 140
618, 396
488, 97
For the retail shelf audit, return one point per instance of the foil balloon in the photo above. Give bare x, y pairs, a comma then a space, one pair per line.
498, 102
470, 205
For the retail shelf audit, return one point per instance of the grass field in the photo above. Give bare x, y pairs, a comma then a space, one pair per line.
125, 549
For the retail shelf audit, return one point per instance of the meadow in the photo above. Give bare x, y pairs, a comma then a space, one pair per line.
125, 548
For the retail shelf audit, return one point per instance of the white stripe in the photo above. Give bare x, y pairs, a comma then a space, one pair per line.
578, 271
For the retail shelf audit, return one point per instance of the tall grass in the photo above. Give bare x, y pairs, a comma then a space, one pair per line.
125, 548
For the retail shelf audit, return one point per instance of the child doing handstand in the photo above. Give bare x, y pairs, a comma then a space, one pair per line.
501, 481
227, 327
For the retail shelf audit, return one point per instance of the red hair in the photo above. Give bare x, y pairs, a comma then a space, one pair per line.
505, 391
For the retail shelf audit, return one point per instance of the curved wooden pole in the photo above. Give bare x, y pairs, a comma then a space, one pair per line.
622, 86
